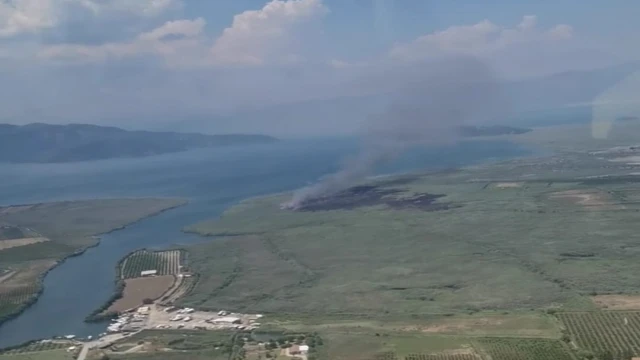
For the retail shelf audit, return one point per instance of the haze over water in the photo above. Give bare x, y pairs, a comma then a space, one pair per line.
212, 180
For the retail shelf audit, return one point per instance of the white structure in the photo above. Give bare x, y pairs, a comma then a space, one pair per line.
143, 310
227, 320
303, 349
149, 273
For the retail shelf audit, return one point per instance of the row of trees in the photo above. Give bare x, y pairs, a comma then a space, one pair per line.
626, 354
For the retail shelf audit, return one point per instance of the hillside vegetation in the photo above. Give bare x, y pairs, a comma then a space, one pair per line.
44, 143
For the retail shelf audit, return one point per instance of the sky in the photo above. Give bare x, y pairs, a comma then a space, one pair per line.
159, 63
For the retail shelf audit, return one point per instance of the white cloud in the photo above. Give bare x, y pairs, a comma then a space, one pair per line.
260, 36
172, 39
528, 22
26, 16
136, 7
482, 39
255, 37
561, 32
31, 16
186, 28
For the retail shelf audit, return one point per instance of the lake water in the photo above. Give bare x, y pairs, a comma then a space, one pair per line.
212, 179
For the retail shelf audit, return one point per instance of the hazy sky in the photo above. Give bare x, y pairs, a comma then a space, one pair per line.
160, 61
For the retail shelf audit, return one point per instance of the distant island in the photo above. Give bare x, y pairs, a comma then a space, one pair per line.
46, 143
491, 130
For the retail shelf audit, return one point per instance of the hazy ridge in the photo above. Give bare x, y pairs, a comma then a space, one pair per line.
45, 143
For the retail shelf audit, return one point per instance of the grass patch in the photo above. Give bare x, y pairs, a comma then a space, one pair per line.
61, 354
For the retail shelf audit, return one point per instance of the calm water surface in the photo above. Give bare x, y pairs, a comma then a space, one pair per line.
212, 179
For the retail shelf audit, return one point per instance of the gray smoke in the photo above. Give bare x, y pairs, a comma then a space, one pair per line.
441, 96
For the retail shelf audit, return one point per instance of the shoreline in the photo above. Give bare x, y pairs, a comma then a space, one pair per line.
40, 279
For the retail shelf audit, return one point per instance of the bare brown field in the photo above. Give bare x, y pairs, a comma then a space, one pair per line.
458, 326
138, 289
520, 326
7, 244
617, 302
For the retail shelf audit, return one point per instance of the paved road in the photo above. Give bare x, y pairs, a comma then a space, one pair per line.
84, 351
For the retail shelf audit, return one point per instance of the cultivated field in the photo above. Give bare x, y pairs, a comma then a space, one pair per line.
614, 331
165, 262
136, 290
33, 238
442, 357
523, 349
168, 284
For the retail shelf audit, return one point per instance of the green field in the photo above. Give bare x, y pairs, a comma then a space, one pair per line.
10, 232
44, 355
56, 350
505, 249
65, 228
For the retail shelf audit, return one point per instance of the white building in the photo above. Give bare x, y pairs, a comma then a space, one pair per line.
303, 349
148, 273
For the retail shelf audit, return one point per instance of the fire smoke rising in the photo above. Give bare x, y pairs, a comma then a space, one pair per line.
441, 96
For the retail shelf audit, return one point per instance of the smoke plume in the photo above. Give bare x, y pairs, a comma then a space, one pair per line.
441, 96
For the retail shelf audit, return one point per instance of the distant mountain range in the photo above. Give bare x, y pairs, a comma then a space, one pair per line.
45, 143
491, 130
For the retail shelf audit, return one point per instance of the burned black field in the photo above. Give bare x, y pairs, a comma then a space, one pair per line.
373, 195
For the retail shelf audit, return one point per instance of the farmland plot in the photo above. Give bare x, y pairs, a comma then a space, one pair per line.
441, 357
18, 295
614, 331
525, 349
165, 262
